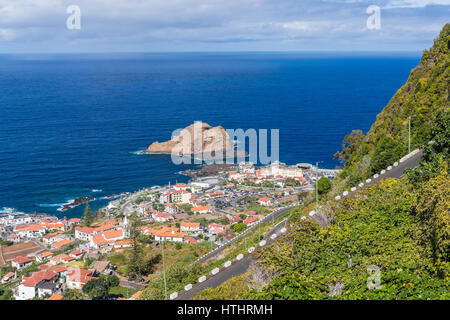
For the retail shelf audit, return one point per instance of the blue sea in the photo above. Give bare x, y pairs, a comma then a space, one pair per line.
72, 125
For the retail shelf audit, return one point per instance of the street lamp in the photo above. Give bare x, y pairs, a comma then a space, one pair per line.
164, 271
317, 183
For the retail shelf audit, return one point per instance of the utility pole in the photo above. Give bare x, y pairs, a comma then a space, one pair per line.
164, 271
409, 134
317, 185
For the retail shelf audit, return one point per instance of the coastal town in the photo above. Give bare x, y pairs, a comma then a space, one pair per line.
46, 257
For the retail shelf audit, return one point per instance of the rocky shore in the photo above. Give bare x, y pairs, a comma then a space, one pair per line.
76, 202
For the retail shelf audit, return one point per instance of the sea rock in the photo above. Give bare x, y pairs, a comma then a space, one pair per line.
198, 138
76, 202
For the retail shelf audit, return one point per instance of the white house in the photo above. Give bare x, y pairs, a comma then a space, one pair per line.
21, 262
40, 283
265, 201
190, 226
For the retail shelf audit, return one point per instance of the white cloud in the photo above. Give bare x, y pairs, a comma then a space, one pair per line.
414, 3
188, 24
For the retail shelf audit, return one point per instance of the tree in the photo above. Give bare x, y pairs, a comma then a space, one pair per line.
99, 288
350, 144
72, 294
136, 262
323, 185
239, 227
88, 218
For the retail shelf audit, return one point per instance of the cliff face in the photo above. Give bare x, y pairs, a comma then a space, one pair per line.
195, 139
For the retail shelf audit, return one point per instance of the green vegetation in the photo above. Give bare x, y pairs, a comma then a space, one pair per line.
422, 98
88, 217
72, 294
323, 185
99, 288
6, 294
239, 227
137, 263
392, 239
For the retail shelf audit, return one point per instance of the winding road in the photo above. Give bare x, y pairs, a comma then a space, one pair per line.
240, 267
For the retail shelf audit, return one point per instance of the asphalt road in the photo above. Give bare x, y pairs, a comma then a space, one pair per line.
397, 172
240, 267
217, 251
236, 268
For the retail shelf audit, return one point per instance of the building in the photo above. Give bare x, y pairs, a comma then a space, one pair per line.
202, 209
249, 221
180, 186
30, 231
84, 233
190, 226
43, 256
40, 283
61, 244
169, 234
76, 278
264, 201
8, 277
216, 228
176, 196
21, 262
161, 216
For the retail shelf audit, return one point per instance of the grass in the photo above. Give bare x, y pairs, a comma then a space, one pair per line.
122, 291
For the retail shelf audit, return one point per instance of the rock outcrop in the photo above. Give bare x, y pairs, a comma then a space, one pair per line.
198, 138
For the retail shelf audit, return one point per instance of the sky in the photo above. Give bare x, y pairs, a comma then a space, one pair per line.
40, 26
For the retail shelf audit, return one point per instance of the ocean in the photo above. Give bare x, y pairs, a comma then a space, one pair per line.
72, 125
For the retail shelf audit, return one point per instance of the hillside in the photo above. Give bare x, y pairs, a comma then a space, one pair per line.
422, 97
392, 239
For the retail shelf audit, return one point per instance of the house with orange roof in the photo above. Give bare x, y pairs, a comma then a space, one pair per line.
76, 254
84, 233
125, 243
43, 256
55, 225
216, 228
30, 231
107, 238
21, 262
39, 284
168, 235
249, 221
76, 277
202, 209
8, 277
190, 226
234, 219
161, 216
60, 258
61, 244
53, 237
265, 201
190, 240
